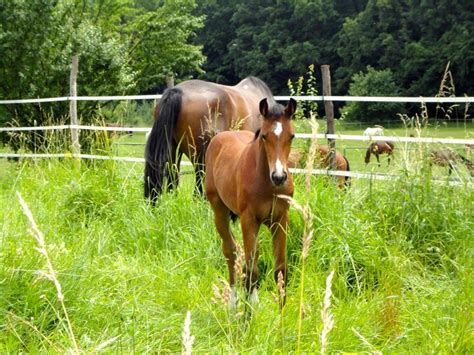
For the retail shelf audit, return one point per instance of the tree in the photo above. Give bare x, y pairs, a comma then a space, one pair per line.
413, 38
123, 48
275, 41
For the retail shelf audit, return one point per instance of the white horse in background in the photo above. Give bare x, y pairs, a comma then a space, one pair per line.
374, 131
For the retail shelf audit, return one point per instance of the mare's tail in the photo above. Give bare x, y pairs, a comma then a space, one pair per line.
347, 179
161, 147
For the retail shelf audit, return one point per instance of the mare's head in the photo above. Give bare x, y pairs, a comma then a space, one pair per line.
276, 135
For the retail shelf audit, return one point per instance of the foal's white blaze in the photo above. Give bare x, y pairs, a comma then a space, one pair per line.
278, 167
278, 129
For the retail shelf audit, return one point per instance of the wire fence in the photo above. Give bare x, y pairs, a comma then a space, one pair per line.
374, 176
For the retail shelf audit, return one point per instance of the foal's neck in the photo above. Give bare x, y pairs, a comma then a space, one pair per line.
261, 162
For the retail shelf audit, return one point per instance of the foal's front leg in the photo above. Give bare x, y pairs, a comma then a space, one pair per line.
279, 230
222, 222
250, 227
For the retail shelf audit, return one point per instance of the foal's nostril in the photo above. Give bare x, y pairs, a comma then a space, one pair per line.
279, 178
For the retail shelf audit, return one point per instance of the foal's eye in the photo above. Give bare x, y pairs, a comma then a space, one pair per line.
264, 137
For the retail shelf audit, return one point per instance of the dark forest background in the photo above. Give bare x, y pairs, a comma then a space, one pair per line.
374, 47
278, 40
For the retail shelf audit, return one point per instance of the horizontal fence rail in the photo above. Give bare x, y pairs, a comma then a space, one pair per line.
297, 135
452, 181
375, 176
421, 99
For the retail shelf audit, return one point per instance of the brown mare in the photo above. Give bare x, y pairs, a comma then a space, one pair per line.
449, 158
377, 148
245, 173
186, 118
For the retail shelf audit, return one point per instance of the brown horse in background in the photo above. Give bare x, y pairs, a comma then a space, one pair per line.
322, 160
245, 174
186, 118
377, 148
322, 157
449, 158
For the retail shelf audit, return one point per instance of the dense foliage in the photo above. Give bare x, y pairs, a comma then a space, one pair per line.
277, 40
128, 46
373, 83
124, 46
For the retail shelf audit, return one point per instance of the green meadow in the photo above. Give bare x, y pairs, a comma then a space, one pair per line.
400, 252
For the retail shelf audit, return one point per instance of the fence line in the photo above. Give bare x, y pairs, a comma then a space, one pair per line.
421, 99
374, 176
278, 98
297, 135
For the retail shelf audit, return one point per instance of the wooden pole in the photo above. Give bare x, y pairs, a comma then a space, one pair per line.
76, 146
170, 81
329, 110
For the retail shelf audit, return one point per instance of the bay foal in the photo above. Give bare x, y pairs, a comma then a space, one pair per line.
245, 173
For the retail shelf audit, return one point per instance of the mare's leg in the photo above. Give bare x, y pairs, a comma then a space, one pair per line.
250, 228
199, 172
172, 170
279, 229
378, 160
389, 158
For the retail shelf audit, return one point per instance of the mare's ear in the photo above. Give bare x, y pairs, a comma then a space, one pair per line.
290, 108
263, 106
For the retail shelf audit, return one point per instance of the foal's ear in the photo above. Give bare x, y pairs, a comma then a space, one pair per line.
264, 107
290, 108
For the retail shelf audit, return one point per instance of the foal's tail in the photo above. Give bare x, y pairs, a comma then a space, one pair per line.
347, 179
161, 147
367, 155
469, 164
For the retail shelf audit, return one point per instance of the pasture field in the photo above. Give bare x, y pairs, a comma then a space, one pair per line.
401, 252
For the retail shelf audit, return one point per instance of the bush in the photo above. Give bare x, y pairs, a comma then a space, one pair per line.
373, 83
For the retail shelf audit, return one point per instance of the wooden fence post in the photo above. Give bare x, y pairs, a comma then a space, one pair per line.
76, 146
329, 110
170, 81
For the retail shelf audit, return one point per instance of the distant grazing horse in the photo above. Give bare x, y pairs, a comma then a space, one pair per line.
377, 148
449, 158
245, 173
322, 160
341, 164
187, 117
373, 131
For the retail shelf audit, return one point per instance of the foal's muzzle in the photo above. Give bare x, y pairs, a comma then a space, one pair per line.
279, 179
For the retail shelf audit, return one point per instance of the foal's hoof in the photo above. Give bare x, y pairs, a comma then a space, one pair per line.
253, 298
234, 299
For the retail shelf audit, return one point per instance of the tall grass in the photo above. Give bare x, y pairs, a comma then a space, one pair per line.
401, 252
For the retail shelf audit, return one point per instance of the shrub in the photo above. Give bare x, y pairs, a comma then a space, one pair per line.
372, 83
